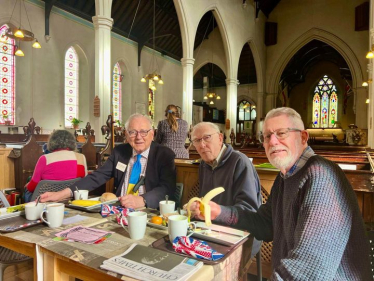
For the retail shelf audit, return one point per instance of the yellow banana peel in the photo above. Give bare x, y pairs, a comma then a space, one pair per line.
85, 203
204, 204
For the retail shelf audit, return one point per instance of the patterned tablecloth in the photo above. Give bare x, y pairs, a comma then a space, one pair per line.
233, 268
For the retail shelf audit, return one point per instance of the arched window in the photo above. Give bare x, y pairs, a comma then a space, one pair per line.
71, 86
7, 78
246, 118
117, 92
325, 104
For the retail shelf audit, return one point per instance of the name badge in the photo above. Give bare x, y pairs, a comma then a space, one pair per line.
120, 166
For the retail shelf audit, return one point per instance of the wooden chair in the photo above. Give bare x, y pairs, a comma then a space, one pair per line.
263, 259
48, 185
9, 257
178, 195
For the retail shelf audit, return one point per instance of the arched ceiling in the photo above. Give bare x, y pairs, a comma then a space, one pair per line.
309, 55
167, 36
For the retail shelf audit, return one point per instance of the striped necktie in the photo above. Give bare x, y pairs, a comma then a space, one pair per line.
135, 174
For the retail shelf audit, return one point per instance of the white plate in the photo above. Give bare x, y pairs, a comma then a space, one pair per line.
97, 205
220, 234
159, 226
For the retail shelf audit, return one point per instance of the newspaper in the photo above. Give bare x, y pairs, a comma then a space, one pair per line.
146, 263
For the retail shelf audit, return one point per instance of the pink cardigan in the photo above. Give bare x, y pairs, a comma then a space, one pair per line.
59, 165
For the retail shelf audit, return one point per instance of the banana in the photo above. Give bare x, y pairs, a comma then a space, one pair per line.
85, 203
204, 204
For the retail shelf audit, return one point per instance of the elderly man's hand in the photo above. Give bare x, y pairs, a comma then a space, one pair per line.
55, 196
215, 210
132, 201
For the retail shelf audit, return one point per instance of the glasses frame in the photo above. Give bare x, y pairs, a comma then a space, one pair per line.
206, 139
143, 133
275, 133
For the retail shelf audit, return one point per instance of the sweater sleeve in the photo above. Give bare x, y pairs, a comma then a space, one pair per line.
38, 172
247, 195
323, 227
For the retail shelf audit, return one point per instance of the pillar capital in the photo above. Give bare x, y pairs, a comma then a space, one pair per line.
187, 61
231, 81
101, 21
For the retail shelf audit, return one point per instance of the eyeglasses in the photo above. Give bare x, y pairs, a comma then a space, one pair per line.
134, 133
280, 134
206, 138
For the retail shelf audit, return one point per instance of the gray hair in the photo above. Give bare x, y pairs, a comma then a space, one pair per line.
135, 116
290, 113
201, 124
61, 139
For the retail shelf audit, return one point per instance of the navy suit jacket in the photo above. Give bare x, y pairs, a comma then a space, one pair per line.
160, 174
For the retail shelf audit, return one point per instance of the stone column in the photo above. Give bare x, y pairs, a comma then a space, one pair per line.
187, 64
370, 106
103, 69
260, 111
271, 102
232, 104
361, 107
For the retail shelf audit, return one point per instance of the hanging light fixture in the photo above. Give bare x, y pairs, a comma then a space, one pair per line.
211, 95
19, 33
19, 52
370, 54
154, 76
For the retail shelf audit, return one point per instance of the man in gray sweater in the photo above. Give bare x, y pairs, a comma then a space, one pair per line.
223, 166
312, 215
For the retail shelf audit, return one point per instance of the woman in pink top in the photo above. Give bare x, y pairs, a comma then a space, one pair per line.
63, 163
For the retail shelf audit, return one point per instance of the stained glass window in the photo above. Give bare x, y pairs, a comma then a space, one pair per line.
246, 111
117, 92
7, 78
71, 86
151, 100
316, 110
325, 104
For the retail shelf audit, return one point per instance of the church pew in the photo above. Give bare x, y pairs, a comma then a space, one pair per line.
25, 156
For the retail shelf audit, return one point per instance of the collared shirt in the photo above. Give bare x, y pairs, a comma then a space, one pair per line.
216, 161
143, 162
307, 153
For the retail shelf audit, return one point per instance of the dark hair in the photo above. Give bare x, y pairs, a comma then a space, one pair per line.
171, 113
61, 139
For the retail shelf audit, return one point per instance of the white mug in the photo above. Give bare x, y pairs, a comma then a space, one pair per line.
81, 195
55, 214
167, 208
178, 226
137, 224
33, 211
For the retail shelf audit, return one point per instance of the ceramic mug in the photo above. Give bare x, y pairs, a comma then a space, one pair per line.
137, 223
33, 211
166, 208
178, 226
81, 195
55, 214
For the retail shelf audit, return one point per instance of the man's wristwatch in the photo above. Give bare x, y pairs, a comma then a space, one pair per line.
145, 202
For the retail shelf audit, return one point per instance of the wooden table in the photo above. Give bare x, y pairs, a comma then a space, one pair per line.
63, 259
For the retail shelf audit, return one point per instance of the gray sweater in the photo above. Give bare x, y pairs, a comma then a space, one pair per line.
315, 224
237, 175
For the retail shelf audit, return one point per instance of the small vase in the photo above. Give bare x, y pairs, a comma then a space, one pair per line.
75, 126
7, 122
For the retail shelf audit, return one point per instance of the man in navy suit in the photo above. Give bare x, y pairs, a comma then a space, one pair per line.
157, 168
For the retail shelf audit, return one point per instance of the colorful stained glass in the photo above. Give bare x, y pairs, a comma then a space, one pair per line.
325, 103
333, 108
246, 111
316, 110
324, 110
71, 86
151, 100
117, 93
7, 78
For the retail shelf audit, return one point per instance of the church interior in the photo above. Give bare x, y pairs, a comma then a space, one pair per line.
96, 62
